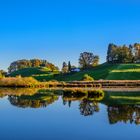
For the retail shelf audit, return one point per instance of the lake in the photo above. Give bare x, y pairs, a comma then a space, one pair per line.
48, 114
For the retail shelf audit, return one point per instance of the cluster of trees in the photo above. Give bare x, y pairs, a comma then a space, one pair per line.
123, 54
88, 60
20, 64
115, 54
67, 68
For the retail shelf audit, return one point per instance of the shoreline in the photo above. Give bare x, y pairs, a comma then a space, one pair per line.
29, 82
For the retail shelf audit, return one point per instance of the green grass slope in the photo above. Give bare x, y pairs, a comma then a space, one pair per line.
107, 72
37, 71
125, 72
103, 71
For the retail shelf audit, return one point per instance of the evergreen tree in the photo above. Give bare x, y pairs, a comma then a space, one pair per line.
69, 66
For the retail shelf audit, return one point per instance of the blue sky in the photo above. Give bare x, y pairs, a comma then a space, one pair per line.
59, 30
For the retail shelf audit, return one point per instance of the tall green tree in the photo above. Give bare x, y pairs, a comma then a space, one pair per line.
64, 67
69, 66
112, 53
120, 54
124, 55
137, 52
87, 60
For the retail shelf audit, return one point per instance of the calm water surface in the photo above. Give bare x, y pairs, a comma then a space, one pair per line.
51, 116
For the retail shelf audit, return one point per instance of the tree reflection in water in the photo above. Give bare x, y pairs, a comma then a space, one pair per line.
88, 101
124, 113
88, 108
121, 107
33, 101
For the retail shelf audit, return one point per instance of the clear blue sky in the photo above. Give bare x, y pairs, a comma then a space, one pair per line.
59, 30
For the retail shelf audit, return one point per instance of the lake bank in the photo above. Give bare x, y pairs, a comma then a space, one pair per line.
32, 83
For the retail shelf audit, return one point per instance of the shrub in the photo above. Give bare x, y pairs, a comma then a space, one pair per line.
18, 82
18, 76
86, 77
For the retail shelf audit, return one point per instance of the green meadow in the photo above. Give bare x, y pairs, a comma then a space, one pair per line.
104, 71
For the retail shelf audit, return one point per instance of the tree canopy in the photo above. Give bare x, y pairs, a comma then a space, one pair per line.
20, 64
64, 67
88, 60
123, 54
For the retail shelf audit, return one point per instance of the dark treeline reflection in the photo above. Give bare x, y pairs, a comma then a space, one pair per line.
124, 113
89, 102
34, 101
121, 106
88, 108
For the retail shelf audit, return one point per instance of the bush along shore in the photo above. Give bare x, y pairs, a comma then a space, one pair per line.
18, 82
33, 83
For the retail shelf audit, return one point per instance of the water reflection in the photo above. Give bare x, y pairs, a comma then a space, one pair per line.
88, 101
32, 101
124, 113
88, 108
121, 106
17, 91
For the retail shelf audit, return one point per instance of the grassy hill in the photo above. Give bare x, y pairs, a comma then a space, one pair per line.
104, 71
33, 72
107, 72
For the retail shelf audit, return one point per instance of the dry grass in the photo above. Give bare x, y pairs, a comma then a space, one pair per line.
18, 82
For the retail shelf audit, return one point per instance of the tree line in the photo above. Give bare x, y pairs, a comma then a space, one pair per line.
86, 60
115, 54
123, 54
21, 64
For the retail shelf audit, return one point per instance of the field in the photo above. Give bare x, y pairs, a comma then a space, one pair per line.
107, 72
39, 73
103, 71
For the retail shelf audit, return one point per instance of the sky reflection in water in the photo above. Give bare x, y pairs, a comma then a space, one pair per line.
51, 116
